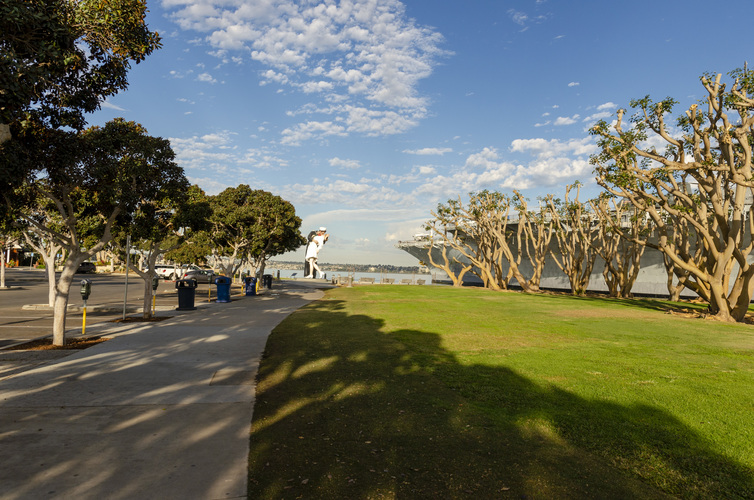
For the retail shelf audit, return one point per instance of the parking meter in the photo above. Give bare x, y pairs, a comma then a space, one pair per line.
155, 284
86, 289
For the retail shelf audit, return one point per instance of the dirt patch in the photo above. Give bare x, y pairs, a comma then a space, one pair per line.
139, 319
45, 344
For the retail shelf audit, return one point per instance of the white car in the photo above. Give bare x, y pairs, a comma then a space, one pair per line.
168, 272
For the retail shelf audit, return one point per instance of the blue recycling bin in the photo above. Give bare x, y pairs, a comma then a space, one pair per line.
223, 289
250, 286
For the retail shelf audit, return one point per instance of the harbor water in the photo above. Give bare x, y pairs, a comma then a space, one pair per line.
397, 278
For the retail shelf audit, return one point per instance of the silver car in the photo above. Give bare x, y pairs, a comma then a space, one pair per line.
201, 275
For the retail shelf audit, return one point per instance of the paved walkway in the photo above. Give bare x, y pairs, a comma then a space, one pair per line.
162, 410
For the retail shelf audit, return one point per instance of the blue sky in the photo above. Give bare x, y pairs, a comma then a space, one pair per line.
365, 114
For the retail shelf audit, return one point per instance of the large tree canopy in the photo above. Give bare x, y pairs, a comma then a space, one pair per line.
60, 58
698, 188
168, 221
252, 225
92, 180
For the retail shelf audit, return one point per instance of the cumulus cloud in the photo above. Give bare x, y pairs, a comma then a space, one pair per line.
304, 131
543, 148
566, 120
347, 164
603, 111
574, 84
428, 151
218, 153
206, 77
597, 116
346, 193
368, 56
551, 163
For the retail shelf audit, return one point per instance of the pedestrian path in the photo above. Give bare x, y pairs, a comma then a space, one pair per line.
162, 410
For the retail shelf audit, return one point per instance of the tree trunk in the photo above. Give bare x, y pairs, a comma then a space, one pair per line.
2, 267
60, 302
146, 309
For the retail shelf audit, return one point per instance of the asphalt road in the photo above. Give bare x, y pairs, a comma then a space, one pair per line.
29, 287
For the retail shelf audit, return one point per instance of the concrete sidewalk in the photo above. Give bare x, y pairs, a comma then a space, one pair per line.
162, 410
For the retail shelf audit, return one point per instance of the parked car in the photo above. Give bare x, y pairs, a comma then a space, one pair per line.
201, 275
87, 267
167, 272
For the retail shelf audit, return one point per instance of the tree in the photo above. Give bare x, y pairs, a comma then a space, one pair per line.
275, 231
572, 224
60, 58
620, 241
91, 178
702, 179
9, 236
446, 265
194, 250
460, 228
161, 224
248, 226
533, 239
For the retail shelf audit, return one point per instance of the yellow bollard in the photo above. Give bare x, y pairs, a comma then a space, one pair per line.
83, 322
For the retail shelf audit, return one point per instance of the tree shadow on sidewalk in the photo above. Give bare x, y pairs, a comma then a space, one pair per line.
345, 410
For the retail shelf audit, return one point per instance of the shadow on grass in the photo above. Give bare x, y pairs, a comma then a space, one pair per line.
345, 410
652, 304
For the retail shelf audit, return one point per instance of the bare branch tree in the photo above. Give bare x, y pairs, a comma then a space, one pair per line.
572, 224
620, 241
704, 180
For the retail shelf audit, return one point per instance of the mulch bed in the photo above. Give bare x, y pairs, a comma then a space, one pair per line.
45, 344
139, 319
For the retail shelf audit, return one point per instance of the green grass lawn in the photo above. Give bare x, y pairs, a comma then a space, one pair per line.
437, 392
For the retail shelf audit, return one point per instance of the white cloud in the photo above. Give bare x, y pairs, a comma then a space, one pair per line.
206, 77
566, 120
574, 84
367, 55
553, 163
109, 105
428, 151
346, 193
598, 116
179, 74
347, 164
378, 122
518, 17
304, 131
543, 148
218, 153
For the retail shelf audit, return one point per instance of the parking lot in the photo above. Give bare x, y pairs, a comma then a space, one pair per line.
28, 287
